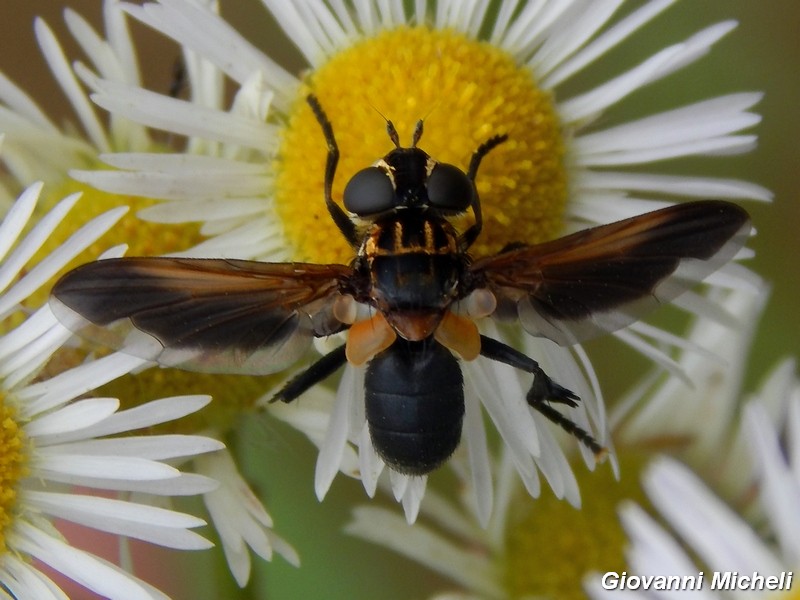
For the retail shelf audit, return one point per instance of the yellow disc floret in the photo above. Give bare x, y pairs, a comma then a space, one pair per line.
552, 546
12, 465
466, 91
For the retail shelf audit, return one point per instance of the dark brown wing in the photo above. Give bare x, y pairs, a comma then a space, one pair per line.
607, 277
209, 315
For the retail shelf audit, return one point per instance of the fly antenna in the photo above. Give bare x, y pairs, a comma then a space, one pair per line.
417, 134
390, 128
418, 128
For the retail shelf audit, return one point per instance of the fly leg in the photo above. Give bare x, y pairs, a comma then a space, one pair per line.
339, 216
471, 234
324, 367
543, 391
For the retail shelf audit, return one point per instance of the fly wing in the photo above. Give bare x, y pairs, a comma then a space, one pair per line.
602, 279
208, 315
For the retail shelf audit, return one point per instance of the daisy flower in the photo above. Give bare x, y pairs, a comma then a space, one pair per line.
53, 439
471, 73
709, 545
506, 558
37, 148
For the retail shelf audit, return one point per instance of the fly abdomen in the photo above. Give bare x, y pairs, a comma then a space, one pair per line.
414, 405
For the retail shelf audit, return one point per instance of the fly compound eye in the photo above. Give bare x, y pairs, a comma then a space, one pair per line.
369, 192
449, 188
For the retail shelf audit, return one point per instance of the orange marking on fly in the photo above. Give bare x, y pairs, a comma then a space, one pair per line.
429, 243
367, 338
398, 239
459, 334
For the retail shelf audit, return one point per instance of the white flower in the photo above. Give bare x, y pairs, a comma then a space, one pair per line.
38, 148
52, 440
720, 540
254, 194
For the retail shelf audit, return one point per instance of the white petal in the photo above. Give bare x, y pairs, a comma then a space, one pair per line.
185, 484
24, 580
94, 46
714, 532
479, 462
501, 394
654, 551
585, 106
779, 491
240, 518
79, 566
198, 185
60, 68
702, 121
147, 415
605, 41
183, 117
412, 497
300, 29
214, 209
331, 452
31, 243
139, 521
61, 388
565, 40
73, 416
21, 104
153, 447
370, 464
17, 217
53, 262
66, 467
694, 187
26, 349
200, 30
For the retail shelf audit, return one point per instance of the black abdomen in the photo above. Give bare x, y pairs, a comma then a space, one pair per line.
414, 405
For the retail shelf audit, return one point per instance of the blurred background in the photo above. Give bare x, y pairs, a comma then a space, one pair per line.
762, 54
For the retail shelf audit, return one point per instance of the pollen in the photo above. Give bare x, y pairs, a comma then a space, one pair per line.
551, 546
13, 466
466, 91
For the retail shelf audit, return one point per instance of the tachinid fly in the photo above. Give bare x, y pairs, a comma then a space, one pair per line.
409, 300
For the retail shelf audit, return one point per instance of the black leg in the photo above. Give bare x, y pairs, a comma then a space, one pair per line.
325, 366
338, 215
583, 436
179, 78
471, 234
543, 390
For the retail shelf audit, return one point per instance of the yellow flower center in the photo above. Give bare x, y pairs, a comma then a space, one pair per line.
466, 91
12, 465
551, 546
